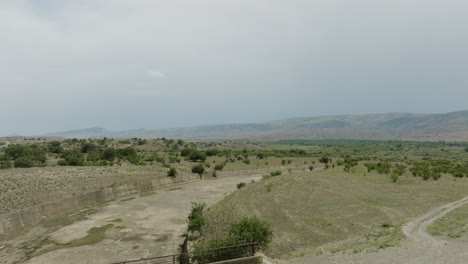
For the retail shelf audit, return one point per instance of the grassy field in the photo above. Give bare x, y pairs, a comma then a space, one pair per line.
332, 210
454, 224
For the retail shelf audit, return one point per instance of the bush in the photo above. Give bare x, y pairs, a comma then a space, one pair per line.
203, 254
109, 154
196, 219
197, 156
311, 168
251, 230
73, 157
62, 162
172, 172
199, 169
23, 162
5, 162
275, 173
219, 167
241, 185
324, 160
55, 147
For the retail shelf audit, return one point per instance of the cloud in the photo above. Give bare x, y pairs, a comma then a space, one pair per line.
155, 74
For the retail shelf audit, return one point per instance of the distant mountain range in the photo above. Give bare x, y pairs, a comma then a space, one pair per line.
403, 126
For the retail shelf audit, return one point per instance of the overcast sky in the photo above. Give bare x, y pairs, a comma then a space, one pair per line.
125, 64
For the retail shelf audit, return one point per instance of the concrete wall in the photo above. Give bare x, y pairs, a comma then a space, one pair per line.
33, 215
247, 260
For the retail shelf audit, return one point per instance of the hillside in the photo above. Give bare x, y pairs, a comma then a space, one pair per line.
405, 126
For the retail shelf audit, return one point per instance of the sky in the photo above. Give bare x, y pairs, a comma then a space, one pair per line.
128, 64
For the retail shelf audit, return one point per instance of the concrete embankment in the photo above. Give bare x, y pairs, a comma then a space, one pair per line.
35, 214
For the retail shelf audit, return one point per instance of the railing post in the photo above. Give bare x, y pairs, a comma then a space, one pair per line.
253, 249
173, 259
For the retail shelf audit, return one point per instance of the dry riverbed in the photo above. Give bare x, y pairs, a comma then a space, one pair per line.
151, 224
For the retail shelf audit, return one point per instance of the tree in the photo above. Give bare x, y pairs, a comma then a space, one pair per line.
197, 155
88, 147
199, 169
252, 230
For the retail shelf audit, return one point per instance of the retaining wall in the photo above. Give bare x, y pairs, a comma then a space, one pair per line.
247, 260
33, 215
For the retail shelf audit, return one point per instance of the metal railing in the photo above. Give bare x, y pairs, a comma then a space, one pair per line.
199, 257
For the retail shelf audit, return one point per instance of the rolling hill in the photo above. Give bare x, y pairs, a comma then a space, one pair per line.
451, 126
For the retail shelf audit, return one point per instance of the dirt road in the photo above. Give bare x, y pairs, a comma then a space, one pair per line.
418, 248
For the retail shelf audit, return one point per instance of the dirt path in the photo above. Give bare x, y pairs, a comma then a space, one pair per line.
419, 247
144, 226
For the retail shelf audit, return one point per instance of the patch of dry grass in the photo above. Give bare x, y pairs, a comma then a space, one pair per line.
333, 209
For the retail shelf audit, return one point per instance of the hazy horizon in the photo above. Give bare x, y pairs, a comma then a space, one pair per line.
130, 64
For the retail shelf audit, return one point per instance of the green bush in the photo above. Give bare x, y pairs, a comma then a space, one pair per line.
73, 157
252, 230
199, 169
203, 254
196, 219
23, 162
196, 155
219, 167
275, 173
172, 172
241, 185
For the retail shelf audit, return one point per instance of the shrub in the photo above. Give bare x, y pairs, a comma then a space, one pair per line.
73, 157
109, 154
275, 173
23, 162
203, 254
55, 147
196, 219
383, 167
5, 162
172, 172
252, 230
324, 160
219, 167
196, 155
199, 169
241, 185
311, 168
395, 176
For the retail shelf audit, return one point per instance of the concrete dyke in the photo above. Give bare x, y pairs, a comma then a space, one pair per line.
246, 260
33, 215
284, 169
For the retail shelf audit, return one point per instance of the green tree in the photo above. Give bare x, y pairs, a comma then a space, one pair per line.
199, 169
197, 155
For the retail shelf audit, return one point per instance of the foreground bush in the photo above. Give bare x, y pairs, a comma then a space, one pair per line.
244, 231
